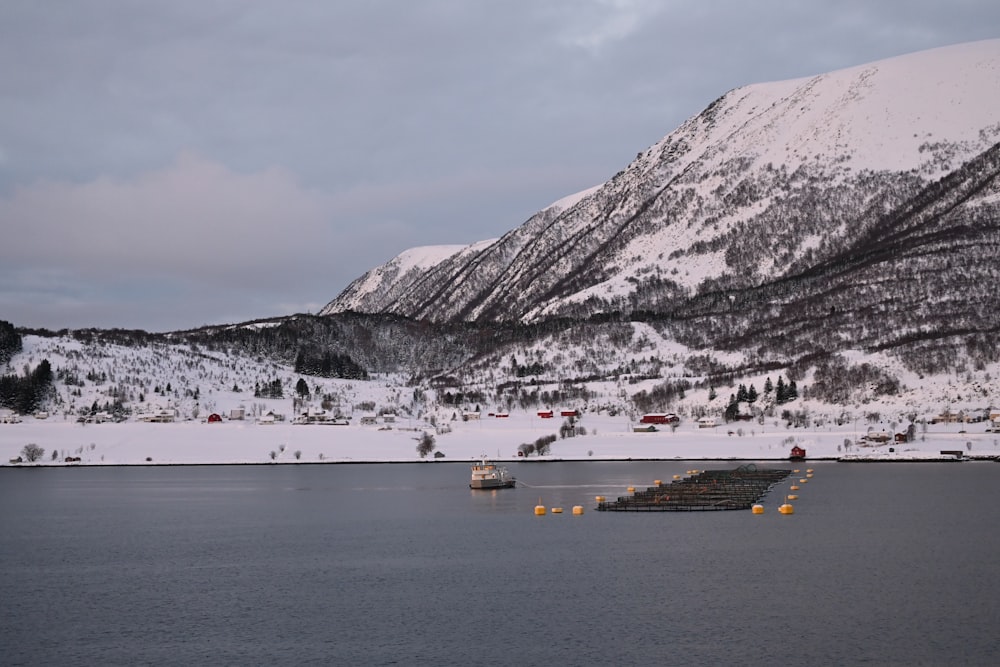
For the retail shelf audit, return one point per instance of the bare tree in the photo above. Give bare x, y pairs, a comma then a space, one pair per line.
425, 445
32, 452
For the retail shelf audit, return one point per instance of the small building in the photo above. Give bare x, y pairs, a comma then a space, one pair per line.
214, 418
368, 420
569, 413
389, 418
157, 416
546, 414
501, 415
798, 454
660, 418
707, 422
272, 416
237, 413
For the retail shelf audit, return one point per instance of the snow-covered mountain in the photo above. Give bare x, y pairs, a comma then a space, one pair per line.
840, 231
855, 208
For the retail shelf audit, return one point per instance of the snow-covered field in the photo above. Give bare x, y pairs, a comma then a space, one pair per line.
196, 383
607, 438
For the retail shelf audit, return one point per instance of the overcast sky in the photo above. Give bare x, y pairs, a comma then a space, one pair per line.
174, 163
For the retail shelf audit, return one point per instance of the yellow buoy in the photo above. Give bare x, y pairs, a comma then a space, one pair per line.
557, 510
757, 509
539, 510
809, 474
631, 489
809, 469
796, 471
657, 482
786, 509
792, 496
577, 509
793, 487
803, 480
599, 499
677, 476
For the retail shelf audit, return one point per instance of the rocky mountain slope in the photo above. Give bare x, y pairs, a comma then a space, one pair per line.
854, 209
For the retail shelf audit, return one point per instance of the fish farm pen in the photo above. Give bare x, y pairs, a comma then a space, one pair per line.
708, 490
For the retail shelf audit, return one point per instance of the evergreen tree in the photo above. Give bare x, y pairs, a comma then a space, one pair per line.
751, 394
768, 387
733, 409
301, 388
781, 392
10, 341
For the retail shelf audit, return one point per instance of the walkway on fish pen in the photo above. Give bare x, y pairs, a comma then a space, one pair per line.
707, 490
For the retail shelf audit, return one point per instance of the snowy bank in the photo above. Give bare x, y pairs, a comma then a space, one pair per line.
606, 438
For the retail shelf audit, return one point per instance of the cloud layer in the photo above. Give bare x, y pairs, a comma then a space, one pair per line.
169, 164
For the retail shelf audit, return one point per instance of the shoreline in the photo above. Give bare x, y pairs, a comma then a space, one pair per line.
153, 464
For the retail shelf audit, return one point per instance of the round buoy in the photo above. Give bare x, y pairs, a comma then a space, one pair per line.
577, 509
677, 476
757, 509
599, 499
657, 482
792, 496
631, 489
786, 509
539, 510
809, 474
809, 469
796, 471
557, 510
794, 487
803, 480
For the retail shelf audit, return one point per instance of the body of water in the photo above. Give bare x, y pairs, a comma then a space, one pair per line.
402, 564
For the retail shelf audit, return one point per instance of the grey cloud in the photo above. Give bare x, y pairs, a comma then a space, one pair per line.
319, 139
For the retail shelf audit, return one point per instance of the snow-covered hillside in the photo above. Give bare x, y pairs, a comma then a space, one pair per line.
99, 384
770, 179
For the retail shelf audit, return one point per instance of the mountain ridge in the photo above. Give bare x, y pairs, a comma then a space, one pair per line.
710, 198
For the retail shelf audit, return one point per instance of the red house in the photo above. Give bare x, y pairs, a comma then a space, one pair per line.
798, 454
659, 418
213, 418
569, 413
545, 414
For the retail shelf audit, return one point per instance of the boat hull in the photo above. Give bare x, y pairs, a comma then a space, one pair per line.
488, 484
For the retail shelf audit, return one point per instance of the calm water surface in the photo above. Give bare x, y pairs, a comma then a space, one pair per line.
881, 564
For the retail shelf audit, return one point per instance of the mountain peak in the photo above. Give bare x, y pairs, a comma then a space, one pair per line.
754, 202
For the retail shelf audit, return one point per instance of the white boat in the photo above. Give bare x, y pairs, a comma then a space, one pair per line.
488, 475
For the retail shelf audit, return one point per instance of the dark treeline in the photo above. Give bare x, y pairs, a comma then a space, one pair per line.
10, 341
27, 393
